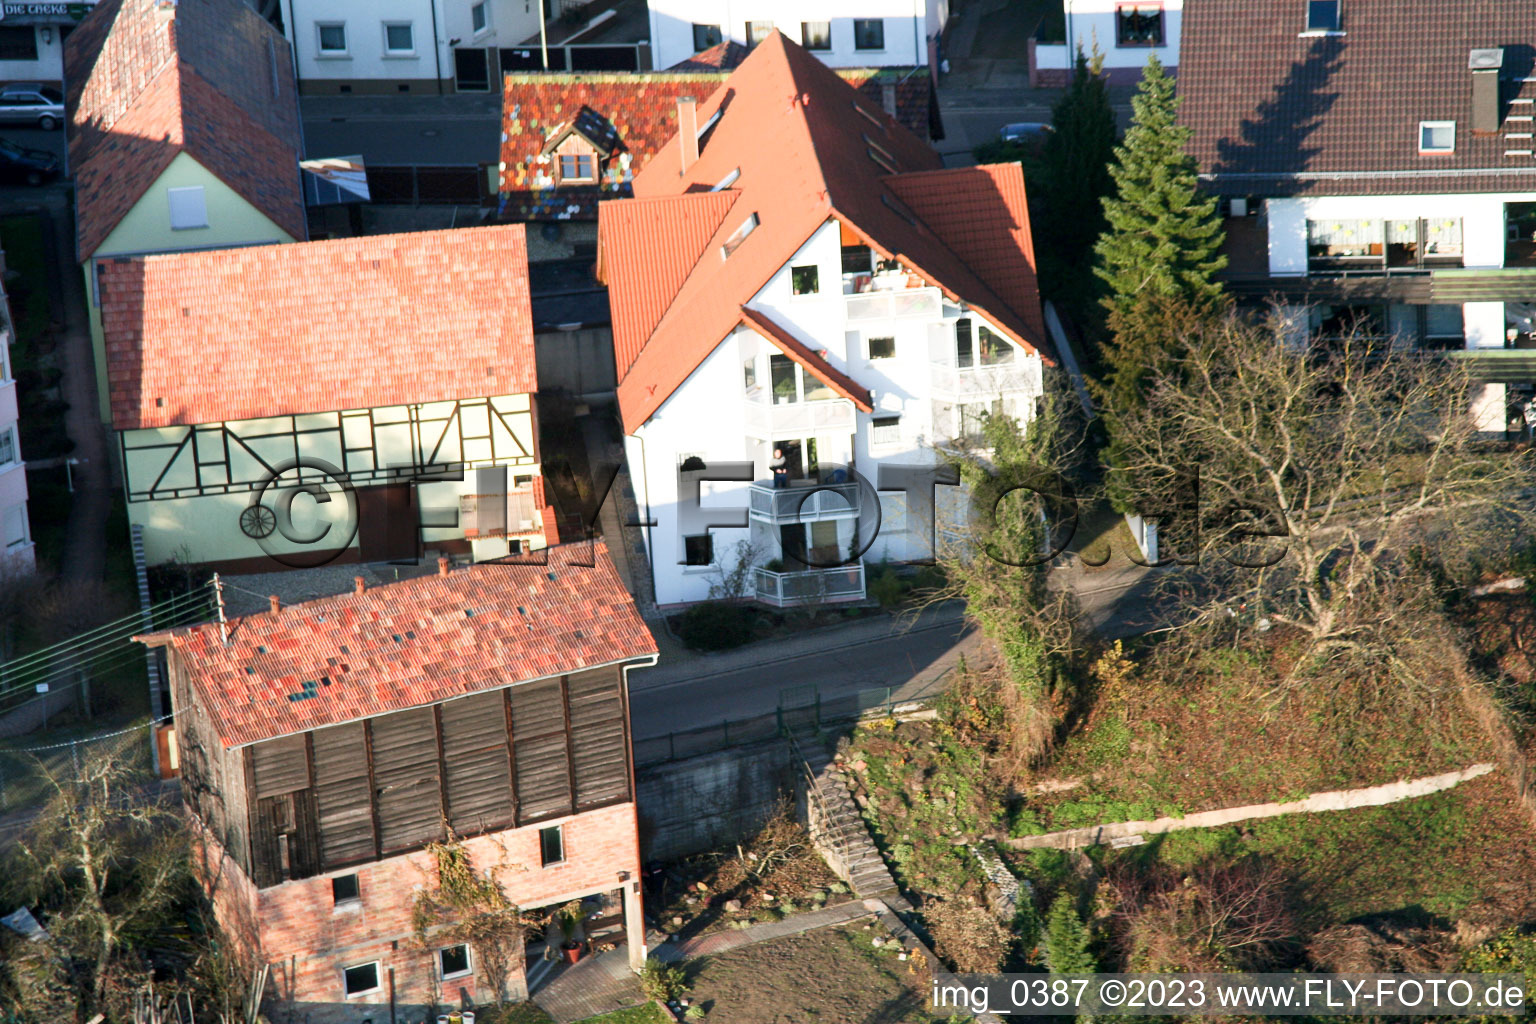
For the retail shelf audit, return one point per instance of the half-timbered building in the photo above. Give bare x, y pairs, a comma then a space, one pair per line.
324, 745
366, 399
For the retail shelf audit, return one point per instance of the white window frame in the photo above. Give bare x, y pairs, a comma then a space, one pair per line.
378, 979
738, 236
869, 49
409, 26
350, 901
560, 829
879, 440
10, 446
484, 8
1338, 19
869, 351
321, 53
469, 960
813, 293
19, 511
180, 200
728, 180
1427, 126
806, 43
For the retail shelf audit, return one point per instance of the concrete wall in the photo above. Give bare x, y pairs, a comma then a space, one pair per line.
907, 27
701, 803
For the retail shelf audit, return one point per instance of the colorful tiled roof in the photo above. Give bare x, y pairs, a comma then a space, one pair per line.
809, 149
642, 112
1277, 111
209, 78
410, 644
354, 323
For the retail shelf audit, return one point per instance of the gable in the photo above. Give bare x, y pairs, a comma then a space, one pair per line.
232, 219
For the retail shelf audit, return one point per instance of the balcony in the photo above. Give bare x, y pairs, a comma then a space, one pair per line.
809, 586
800, 503
798, 419
978, 382
895, 304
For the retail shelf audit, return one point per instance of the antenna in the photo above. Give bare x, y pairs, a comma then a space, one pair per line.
218, 599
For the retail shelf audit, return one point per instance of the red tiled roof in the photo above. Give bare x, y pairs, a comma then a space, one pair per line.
213, 80
801, 137
317, 326
813, 362
724, 56
642, 108
1278, 112
410, 644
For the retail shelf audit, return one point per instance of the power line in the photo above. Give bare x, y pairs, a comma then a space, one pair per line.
117, 629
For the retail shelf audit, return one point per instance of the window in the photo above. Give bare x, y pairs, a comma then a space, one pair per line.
698, 550
333, 37
552, 840
18, 43
882, 348
857, 259
360, 980
993, 350
189, 208
786, 388
705, 36
885, 430
7, 446
344, 889
477, 18
749, 375
1444, 327
964, 354
453, 961
728, 180
577, 167
868, 34
1322, 15
1139, 25
805, 280
1437, 136
757, 32
816, 35
14, 523
738, 236
398, 37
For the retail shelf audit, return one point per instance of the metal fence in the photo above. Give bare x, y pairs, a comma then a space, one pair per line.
29, 775
800, 710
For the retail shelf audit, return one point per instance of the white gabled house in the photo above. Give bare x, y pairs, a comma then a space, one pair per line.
798, 272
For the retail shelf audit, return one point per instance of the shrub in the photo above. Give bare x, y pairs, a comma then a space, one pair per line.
666, 982
715, 626
888, 588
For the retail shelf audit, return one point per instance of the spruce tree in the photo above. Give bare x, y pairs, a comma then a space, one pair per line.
1076, 159
1067, 939
1161, 251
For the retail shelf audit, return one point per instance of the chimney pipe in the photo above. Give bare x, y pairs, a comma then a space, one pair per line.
888, 98
688, 131
359, 584
1485, 65
277, 604
442, 565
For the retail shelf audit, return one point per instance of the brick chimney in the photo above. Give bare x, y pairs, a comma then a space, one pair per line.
443, 565
688, 131
359, 584
888, 97
276, 603
1485, 65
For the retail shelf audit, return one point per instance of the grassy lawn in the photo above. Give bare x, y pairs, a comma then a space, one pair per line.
833, 975
645, 1013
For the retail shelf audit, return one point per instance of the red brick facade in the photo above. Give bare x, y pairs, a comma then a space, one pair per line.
308, 939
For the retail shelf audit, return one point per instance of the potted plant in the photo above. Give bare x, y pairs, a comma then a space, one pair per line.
569, 920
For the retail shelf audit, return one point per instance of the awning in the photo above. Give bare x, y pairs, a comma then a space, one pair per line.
335, 181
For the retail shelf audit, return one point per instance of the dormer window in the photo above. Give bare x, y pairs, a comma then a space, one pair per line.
577, 167
738, 236
1323, 15
1437, 136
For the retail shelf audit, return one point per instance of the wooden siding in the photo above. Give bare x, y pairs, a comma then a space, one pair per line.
352, 793
212, 778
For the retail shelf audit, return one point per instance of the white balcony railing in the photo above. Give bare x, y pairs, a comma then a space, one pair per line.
896, 304
798, 419
787, 589
979, 382
802, 504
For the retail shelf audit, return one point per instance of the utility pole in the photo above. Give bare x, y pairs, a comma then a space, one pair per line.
218, 598
543, 38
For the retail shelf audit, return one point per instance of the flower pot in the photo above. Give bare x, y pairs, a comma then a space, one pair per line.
571, 951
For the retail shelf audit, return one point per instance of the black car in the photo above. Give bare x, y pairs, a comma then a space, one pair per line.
33, 166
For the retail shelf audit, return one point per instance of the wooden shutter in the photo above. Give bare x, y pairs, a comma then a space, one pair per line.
478, 776
279, 766
344, 812
405, 778
598, 748
539, 751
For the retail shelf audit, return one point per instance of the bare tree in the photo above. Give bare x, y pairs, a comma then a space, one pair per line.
1321, 487
1216, 917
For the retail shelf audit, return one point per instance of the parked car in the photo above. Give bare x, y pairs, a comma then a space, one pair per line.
32, 103
19, 163
1025, 133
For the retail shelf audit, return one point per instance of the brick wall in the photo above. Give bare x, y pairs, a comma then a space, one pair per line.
309, 939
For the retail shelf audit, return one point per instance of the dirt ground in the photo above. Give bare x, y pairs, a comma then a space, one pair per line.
835, 976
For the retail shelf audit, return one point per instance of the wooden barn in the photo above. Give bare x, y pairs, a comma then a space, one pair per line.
324, 745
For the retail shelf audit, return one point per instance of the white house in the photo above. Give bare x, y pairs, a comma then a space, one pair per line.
32, 39
804, 276
294, 405
1366, 192
16, 550
1125, 33
874, 33
403, 46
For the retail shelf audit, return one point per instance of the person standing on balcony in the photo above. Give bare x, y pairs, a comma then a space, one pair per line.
780, 467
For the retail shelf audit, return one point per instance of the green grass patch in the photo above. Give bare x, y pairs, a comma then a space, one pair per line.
645, 1013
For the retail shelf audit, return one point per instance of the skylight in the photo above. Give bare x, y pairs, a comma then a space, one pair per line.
728, 180
880, 161
871, 118
1437, 136
1322, 15
899, 207
738, 236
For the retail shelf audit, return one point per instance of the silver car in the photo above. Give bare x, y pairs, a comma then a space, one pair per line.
33, 104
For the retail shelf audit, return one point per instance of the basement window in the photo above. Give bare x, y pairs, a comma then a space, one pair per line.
1437, 136
361, 980
1323, 15
552, 845
345, 889
738, 236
